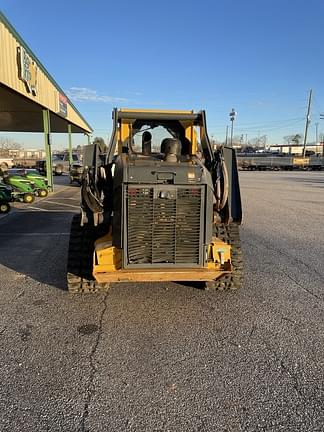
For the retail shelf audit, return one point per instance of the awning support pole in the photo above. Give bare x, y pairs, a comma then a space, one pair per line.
89, 139
48, 150
70, 143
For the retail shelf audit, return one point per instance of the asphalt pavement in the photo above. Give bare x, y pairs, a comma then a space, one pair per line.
165, 356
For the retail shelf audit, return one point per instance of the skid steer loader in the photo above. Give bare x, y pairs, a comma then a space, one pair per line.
158, 204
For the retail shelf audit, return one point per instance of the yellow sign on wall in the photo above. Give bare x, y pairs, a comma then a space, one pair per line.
27, 70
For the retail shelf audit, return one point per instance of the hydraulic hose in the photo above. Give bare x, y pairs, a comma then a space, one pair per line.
89, 196
221, 193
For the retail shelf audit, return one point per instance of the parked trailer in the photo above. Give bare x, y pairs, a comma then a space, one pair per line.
316, 162
263, 162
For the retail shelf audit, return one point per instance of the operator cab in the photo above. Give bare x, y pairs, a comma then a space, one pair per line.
142, 134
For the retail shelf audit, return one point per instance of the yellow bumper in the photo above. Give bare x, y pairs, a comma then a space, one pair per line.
107, 265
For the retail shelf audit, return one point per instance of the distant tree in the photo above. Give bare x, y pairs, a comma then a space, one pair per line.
297, 139
247, 148
259, 141
7, 144
236, 140
293, 139
287, 139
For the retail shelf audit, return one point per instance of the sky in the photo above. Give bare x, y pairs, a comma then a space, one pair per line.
259, 57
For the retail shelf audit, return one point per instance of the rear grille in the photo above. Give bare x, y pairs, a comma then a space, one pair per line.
140, 217
163, 225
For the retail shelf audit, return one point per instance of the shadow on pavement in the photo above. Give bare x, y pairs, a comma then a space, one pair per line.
35, 243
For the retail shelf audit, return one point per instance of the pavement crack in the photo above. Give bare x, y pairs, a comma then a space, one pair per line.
93, 369
293, 377
267, 245
287, 371
303, 288
252, 331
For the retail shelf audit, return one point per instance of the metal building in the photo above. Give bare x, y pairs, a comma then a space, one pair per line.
30, 99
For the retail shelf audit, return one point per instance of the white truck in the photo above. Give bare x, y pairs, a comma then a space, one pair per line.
60, 163
6, 163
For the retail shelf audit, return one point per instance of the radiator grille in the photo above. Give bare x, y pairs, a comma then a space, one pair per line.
163, 226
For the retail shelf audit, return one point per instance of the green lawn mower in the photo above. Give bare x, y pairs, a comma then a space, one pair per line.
22, 189
34, 177
40, 181
5, 198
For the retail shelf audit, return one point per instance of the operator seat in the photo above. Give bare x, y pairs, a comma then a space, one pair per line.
172, 149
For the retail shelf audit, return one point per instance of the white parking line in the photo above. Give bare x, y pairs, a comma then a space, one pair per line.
36, 208
49, 211
65, 198
43, 200
58, 203
50, 194
3, 216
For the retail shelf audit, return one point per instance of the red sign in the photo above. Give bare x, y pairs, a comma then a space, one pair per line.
62, 105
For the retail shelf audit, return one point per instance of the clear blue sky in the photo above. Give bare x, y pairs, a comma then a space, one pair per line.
260, 57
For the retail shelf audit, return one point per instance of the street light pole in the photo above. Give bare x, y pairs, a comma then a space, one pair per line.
232, 115
307, 122
322, 118
226, 139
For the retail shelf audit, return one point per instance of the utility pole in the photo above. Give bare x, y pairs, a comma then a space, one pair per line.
307, 121
322, 139
232, 115
226, 139
48, 149
70, 144
316, 133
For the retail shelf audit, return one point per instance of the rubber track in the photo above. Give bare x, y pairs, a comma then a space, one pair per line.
80, 258
230, 234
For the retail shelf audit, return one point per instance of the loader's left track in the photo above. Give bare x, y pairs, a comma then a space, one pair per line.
80, 258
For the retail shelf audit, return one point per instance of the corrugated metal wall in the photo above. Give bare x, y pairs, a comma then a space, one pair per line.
47, 94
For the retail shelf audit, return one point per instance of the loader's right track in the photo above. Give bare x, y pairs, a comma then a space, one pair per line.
229, 234
80, 258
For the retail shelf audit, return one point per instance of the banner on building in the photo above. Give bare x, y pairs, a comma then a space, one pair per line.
62, 105
27, 70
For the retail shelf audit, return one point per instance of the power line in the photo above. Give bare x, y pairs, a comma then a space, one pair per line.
271, 128
264, 124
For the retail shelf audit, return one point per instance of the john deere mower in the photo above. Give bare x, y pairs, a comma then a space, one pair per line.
5, 198
33, 176
41, 183
22, 189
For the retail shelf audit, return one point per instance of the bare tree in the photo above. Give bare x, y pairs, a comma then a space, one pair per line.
7, 144
293, 139
259, 141
297, 139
